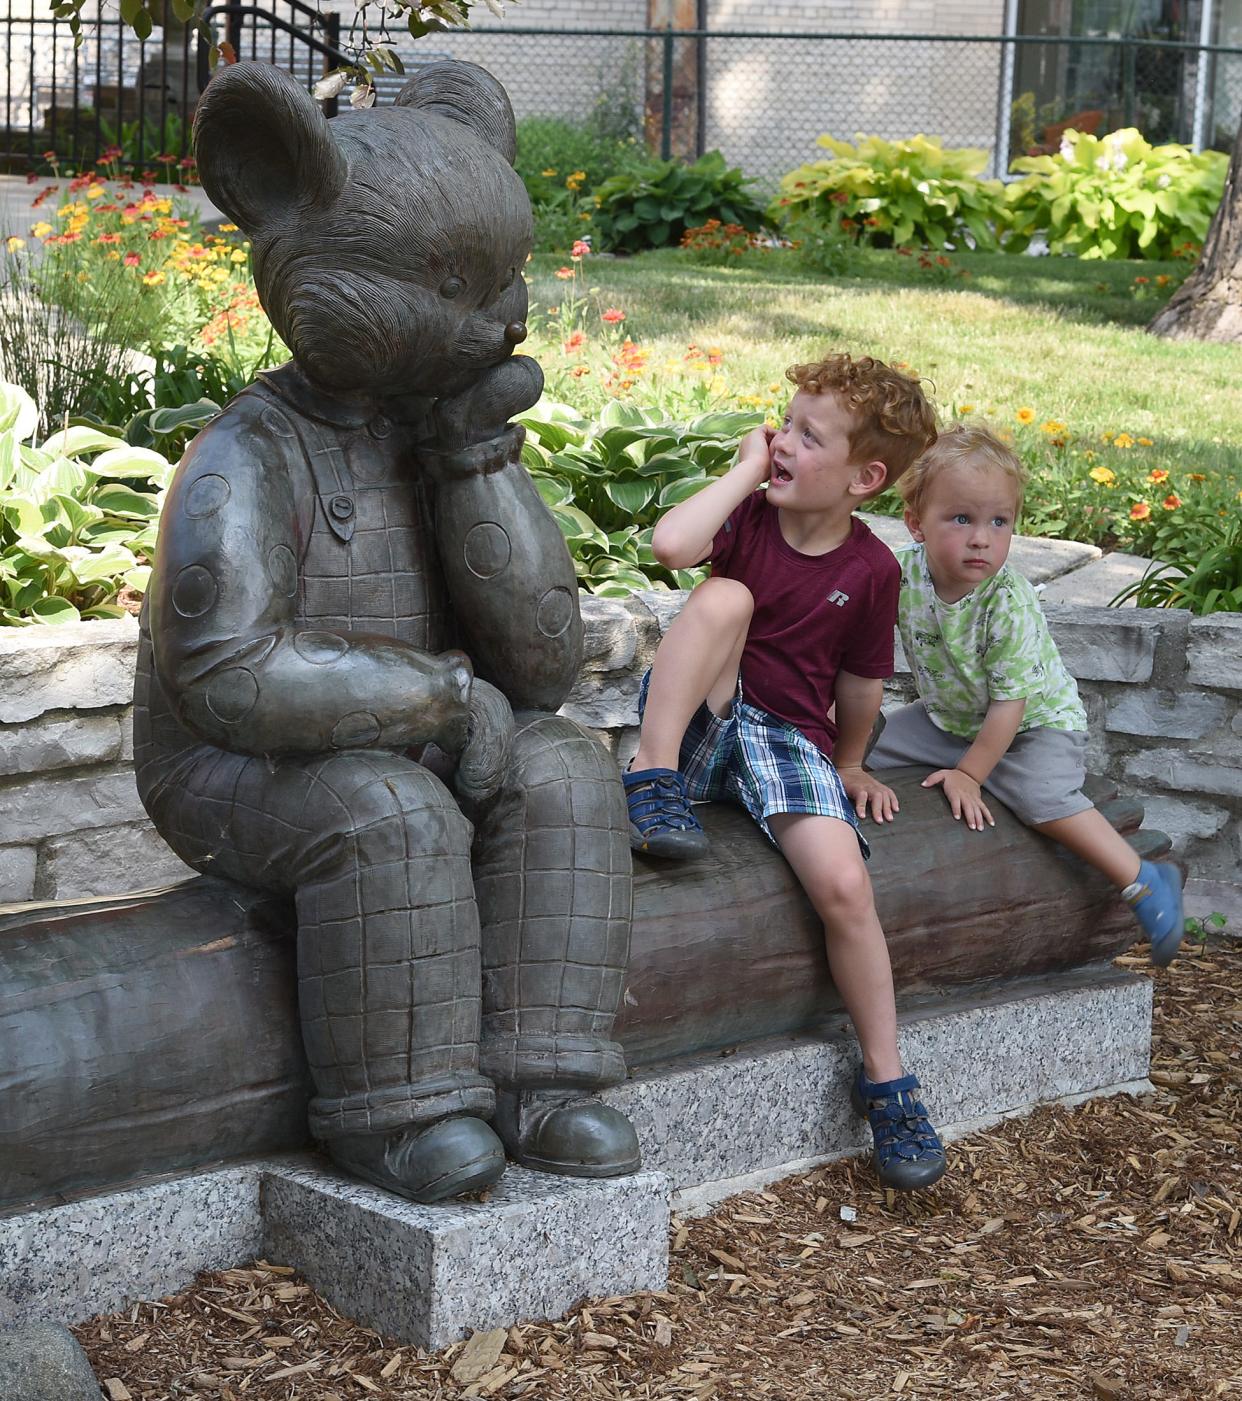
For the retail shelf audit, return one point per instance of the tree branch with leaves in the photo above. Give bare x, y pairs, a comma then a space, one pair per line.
370, 43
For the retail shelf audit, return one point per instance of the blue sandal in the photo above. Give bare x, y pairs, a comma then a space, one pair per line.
908, 1152
661, 823
1156, 899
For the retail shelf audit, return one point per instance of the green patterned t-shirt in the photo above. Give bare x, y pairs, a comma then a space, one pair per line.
992, 645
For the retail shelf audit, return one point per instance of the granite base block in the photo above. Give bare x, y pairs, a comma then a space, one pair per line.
787, 1100
427, 1274
62, 1264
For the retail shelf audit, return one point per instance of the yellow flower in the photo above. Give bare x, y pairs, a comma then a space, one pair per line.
1160, 474
41, 229
237, 256
965, 408
1145, 442
96, 192
1025, 415
549, 173
228, 228
1102, 475
1052, 426
152, 279
1123, 440
13, 244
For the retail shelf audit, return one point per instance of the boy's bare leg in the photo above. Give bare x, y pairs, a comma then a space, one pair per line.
1091, 836
697, 660
824, 854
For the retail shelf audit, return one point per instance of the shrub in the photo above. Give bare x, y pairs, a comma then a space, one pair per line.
560, 162
608, 482
64, 340
890, 193
1203, 574
78, 517
1115, 196
653, 206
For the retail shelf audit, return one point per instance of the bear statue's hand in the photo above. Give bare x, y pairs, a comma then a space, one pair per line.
479, 415
484, 760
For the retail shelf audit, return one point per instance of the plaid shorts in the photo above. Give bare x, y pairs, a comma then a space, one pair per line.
765, 764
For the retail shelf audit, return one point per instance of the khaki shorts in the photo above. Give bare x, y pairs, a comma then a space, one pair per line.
1039, 778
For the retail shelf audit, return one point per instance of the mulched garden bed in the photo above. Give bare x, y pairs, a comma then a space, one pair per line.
1087, 1252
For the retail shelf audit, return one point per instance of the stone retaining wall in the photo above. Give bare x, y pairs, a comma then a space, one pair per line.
1163, 693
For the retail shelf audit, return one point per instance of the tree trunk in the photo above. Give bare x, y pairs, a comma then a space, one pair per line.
1208, 305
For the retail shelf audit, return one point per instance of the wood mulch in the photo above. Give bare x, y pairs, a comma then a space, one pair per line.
1088, 1252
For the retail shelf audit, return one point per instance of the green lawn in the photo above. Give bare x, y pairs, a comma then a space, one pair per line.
1057, 338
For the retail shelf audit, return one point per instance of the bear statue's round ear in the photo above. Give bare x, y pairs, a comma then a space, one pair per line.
263, 146
465, 93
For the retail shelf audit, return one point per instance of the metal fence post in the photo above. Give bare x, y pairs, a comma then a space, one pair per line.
1127, 84
666, 121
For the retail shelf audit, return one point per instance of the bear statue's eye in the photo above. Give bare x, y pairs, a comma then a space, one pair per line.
452, 287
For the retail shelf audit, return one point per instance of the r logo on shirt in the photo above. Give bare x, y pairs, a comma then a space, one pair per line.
839, 598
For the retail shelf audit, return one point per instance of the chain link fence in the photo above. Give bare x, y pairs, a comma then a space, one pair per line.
760, 98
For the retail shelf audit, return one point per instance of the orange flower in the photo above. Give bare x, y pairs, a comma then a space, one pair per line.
575, 342
1140, 511
1025, 415
1158, 474
579, 370
564, 273
1197, 476
1171, 502
580, 249
613, 315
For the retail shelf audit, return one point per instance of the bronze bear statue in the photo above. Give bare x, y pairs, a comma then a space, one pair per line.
304, 720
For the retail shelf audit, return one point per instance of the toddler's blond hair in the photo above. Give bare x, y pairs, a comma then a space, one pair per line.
961, 445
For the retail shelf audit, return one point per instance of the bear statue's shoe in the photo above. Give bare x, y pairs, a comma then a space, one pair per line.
566, 1132
427, 1163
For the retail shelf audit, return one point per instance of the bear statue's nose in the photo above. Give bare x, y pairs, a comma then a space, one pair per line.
515, 332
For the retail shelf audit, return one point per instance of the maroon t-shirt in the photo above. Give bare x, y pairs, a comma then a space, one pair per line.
815, 615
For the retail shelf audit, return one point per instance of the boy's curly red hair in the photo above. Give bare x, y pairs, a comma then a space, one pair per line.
893, 422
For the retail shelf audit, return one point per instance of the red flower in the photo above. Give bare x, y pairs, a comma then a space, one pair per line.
132, 260
613, 315
580, 249
1171, 502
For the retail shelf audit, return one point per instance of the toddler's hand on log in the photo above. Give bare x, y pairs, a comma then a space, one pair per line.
862, 788
483, 411
964, 796
485, 758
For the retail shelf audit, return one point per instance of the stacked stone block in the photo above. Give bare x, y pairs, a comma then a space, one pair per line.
70, 820
1163, 692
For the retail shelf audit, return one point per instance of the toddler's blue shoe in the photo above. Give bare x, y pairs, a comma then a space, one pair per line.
1156, 899
908, 1152
661, 823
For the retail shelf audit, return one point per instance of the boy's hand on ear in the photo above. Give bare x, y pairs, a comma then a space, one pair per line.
862, 788
754, 453
964, 795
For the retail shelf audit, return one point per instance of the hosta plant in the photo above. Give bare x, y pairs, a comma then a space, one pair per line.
78, 517
607, 482
895, 193
1115, 196
653, 205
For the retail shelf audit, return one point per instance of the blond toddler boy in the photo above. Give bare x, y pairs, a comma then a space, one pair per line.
997, 710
